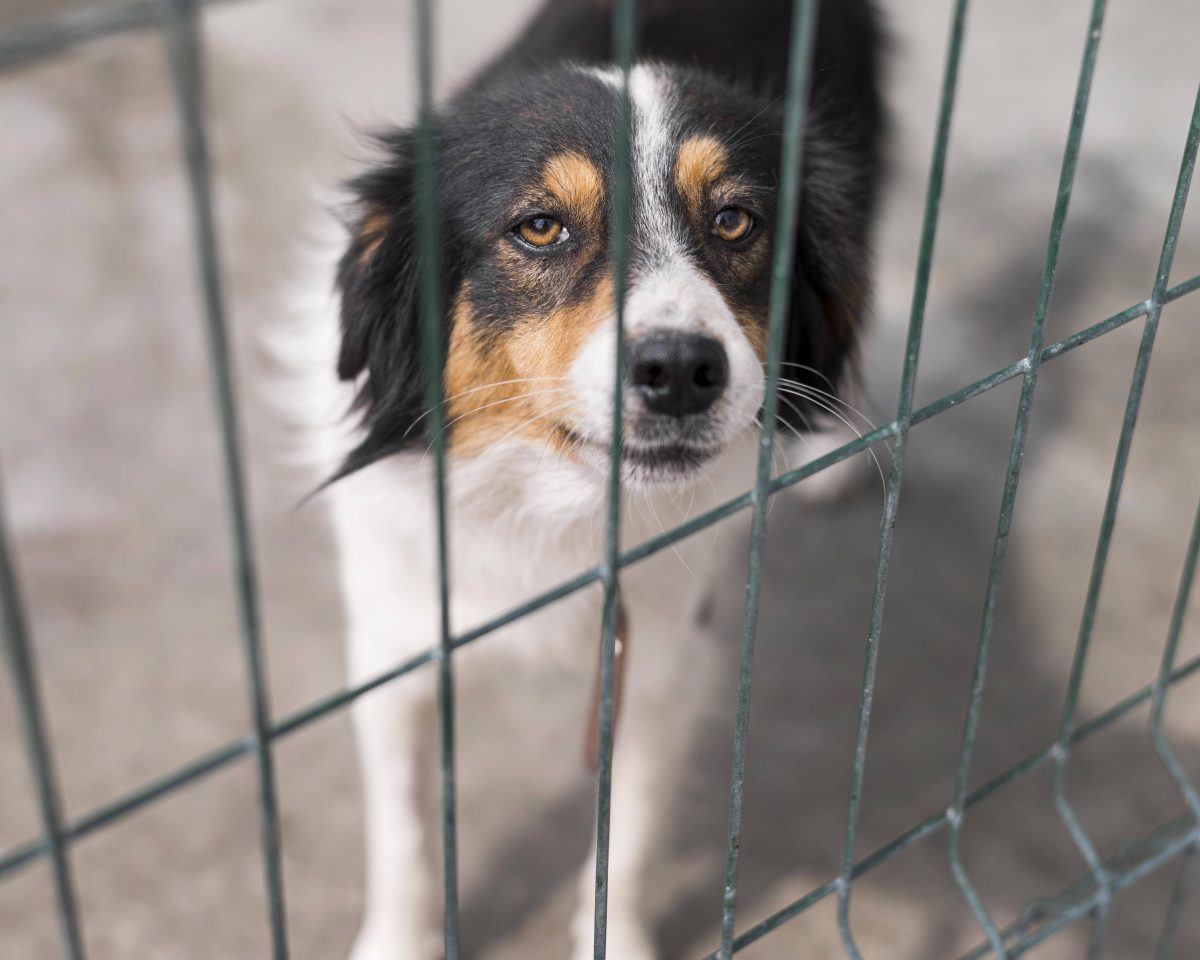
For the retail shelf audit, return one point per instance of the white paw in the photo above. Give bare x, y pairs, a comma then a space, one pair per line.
631, 943
835, 482
373, 943
367, 947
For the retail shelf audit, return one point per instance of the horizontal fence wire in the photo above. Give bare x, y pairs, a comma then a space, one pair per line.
186, 64
33, 42
45, 37
1136, 860
791, 166
933, 824
324, 706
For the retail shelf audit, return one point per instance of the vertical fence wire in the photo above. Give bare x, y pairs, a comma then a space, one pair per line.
186, 62
1012, 477
1107, 524
18, 652
432, 343
1162, 681
624, 34
1175, 629
1165, 949
804, 17
908, 385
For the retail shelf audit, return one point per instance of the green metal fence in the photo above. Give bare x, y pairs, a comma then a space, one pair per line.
1089, 898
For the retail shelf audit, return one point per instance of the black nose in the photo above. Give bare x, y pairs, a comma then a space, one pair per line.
677, 373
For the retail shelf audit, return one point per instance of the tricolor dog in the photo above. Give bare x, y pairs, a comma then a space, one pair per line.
524, 175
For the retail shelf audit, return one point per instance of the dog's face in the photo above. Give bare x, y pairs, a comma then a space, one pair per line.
525, 187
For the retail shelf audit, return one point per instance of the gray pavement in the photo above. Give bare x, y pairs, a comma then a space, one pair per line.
109, 458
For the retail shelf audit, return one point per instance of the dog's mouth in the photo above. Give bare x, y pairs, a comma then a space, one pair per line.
667, 462
647, 459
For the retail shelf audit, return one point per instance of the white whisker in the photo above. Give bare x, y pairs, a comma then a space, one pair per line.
545, 415
813, 370
833, 412
663, 529
818, 392
486, 386
496, 403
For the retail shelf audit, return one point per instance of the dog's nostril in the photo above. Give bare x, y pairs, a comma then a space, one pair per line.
677, 373
654, 376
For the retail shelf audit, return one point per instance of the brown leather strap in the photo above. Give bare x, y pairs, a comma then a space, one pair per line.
591, 745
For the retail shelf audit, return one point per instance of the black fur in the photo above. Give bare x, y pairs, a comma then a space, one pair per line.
495, 135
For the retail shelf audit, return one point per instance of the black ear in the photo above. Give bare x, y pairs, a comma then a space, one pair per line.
381, 345
831, 273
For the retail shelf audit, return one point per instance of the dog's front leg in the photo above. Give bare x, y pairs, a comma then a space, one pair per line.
395, 731
637, 788
669, 665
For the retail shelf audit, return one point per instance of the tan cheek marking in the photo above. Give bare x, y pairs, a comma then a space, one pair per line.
754, 327
702, 160
371, 232
535, 351
547, 346
573, 180
479, 414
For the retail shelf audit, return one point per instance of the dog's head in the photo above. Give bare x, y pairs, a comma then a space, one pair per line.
524, 184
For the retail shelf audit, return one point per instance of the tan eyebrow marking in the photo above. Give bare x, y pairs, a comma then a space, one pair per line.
702, 160
573, 180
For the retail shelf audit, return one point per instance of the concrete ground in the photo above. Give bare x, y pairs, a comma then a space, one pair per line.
111, 482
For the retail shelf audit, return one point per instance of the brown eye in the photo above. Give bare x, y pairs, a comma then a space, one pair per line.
732, 224
541, 231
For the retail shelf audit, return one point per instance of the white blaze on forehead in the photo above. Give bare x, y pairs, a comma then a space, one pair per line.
654, 147
655, 136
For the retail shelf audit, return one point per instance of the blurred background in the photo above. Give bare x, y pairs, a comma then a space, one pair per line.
110, 464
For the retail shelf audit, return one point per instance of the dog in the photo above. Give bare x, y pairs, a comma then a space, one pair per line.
524, 169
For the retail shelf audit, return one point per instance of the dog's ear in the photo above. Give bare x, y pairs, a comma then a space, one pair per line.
377, 279
831, 270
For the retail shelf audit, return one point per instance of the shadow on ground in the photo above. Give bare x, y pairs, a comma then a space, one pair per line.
806, 691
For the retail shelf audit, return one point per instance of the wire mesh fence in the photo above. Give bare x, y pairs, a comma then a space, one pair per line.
1090, 899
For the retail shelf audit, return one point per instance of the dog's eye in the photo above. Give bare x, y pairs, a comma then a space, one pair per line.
732, 224
541, 231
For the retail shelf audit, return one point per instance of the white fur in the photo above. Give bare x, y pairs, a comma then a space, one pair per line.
651, 98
